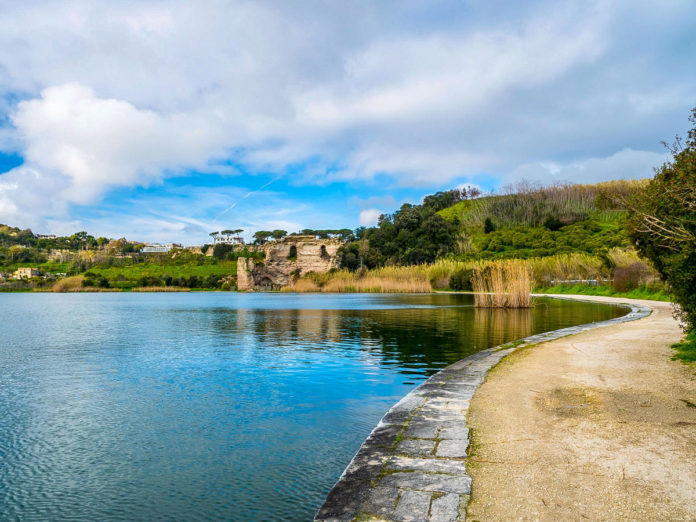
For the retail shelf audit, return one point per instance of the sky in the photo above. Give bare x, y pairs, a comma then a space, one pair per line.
167, 120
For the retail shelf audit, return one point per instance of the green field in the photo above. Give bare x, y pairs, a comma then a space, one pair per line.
133, 273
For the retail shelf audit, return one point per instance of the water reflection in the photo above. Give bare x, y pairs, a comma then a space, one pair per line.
216, 406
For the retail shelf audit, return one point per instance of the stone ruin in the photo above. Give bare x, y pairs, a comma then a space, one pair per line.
285, 260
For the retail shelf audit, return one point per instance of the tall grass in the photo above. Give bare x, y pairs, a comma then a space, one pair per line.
391, 279
502, 284
160, 289
567, 267
631, 272
69, 284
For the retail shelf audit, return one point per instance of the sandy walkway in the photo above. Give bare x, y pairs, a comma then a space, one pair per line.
596, 426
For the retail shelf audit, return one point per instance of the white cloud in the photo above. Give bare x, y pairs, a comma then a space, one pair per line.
28, 195
369, 216
625, 164
127, 93
98, 144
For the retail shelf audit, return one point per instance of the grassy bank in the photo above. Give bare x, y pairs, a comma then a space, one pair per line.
607, 291
686, 349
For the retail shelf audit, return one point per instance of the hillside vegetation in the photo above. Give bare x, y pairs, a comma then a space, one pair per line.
89, 263
534, 221
528, 221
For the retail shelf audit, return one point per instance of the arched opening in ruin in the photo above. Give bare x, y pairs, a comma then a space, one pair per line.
293, 253
265, 284
322, 251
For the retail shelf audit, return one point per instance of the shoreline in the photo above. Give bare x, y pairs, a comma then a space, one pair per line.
413, 464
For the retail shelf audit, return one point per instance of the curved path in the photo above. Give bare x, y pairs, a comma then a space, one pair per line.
597, 426
414, 465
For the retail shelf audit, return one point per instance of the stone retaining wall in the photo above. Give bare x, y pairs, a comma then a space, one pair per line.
413, 464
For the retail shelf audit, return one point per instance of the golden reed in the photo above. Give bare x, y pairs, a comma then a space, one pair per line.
502, 284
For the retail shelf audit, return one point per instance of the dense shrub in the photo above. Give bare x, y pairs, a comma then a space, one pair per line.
663, 223
553, 223
629, 277
461, 280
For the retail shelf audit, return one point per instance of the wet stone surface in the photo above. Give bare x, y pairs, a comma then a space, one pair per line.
413, 464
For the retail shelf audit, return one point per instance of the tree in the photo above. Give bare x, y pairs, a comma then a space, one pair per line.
488, 226
262, 236
663, 223
279, 234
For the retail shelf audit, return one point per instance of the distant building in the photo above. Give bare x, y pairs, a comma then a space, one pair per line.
156, 248
227, 237
45, 236
26, 273
228, 240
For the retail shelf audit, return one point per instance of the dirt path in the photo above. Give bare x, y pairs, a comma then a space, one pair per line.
596, 426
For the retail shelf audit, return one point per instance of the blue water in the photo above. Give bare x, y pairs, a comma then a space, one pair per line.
216, 406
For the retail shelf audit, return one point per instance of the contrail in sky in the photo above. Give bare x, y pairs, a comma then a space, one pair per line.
246, 196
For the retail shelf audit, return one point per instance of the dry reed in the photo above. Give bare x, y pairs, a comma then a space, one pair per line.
160, 289
69, 284
502, 284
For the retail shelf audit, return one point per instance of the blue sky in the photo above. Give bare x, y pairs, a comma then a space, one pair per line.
163, 121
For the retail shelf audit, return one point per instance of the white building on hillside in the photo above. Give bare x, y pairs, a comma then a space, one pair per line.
156, 248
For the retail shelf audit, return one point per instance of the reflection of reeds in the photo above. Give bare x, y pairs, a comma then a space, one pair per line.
502, 284
500, 325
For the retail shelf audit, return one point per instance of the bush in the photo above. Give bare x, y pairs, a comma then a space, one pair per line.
150, 281
630, 277
553, 223
461, 280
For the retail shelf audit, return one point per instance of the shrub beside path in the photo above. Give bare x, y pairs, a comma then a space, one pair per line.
596, 426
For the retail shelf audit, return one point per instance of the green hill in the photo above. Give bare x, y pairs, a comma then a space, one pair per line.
542, 221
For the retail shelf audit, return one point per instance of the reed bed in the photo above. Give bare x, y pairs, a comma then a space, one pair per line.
370, 284
624, 257
509, 277
567, 267
502, 284
69, 284
390, 279
160, 289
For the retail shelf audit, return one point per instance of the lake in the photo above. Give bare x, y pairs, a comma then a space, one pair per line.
217, 406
